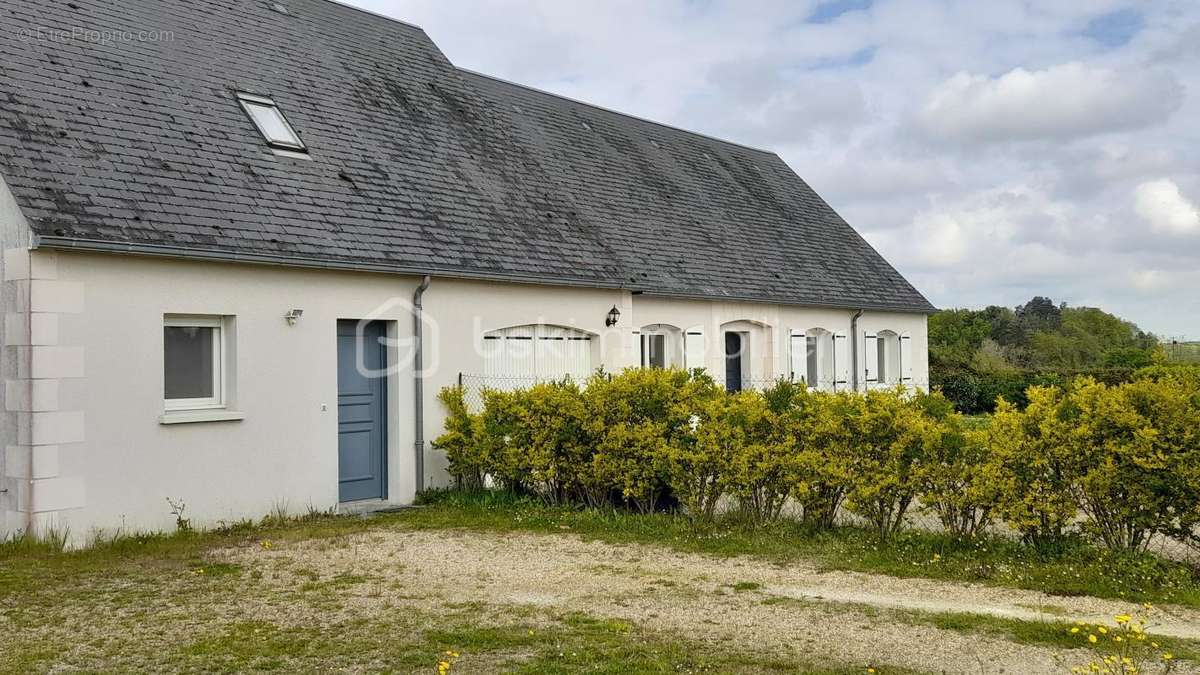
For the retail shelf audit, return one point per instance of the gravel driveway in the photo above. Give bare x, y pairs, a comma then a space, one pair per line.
741, 603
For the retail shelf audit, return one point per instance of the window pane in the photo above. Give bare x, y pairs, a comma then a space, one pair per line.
272, 123
189, 361
658, 351
814, 368
881, 345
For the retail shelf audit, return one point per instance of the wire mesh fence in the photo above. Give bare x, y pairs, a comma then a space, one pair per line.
475, 384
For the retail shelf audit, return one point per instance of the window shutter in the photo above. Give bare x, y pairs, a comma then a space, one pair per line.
549, 353
693, 349
642, 342
841, 361
906, 362
870, 360
799, 356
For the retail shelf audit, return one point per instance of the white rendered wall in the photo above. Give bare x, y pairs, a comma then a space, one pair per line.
123, 464
772, 324
283, 454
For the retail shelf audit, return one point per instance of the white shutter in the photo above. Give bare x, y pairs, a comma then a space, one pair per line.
520, 363
693, 349
579, 357
520, 356
547, 346
841, 361
906, 359
870, 360
799, 357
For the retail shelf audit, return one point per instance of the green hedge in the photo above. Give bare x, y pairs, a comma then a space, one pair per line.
1118, 464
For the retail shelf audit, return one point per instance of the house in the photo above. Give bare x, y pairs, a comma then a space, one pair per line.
247, 242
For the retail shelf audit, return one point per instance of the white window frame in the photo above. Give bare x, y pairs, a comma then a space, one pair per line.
674, 344
646, 338
889, 357
217, 400
247, 101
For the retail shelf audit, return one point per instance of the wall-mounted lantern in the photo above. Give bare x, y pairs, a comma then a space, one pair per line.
293, 316
614, 315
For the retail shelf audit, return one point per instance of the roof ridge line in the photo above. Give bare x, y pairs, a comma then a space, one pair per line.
347, 5
614, 111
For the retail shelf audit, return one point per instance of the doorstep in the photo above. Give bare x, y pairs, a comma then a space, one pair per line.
368, 507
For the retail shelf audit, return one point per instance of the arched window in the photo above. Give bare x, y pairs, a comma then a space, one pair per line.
887, 367
819, 358
518, 356
747, 346
661, 346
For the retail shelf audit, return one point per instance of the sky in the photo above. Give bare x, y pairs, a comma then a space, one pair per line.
991, 151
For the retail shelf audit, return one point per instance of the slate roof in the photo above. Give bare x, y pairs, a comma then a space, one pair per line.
140, 145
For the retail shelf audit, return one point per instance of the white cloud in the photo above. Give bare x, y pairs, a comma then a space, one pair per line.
1160, 203
1149, 281
1071, 100
1016, 177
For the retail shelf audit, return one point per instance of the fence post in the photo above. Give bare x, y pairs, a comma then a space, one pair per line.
460, 378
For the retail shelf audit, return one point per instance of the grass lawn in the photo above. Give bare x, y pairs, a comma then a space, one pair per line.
155, 603
162, 603
1077, 569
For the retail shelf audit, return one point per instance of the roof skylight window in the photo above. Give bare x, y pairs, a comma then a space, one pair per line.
271, 122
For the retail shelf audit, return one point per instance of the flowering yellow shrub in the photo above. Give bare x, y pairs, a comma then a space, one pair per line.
1136, 448
956, 482
460, 441
892, 434
824, 445
1126, 456
1119, 463
635, 419
1032, 466
709, 460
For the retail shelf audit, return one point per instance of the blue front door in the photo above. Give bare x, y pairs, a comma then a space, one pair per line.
362, 412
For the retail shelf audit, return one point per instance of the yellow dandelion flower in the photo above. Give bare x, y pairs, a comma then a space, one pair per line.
1168, 656
1092, 639
1123, 618
1102, 629
1075, 629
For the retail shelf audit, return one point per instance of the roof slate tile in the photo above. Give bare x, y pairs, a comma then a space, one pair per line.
415, 165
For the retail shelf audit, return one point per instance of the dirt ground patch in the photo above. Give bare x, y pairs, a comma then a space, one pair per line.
735, 603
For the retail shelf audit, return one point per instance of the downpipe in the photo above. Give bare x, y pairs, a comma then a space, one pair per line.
419, 382
854, 349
